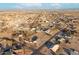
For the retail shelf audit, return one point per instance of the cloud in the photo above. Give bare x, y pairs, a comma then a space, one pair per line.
32, 5
56, 5
29, 5
38, 5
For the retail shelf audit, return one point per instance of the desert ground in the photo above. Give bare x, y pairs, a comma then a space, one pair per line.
39, 32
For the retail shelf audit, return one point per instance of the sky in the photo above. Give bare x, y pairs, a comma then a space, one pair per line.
39, 5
